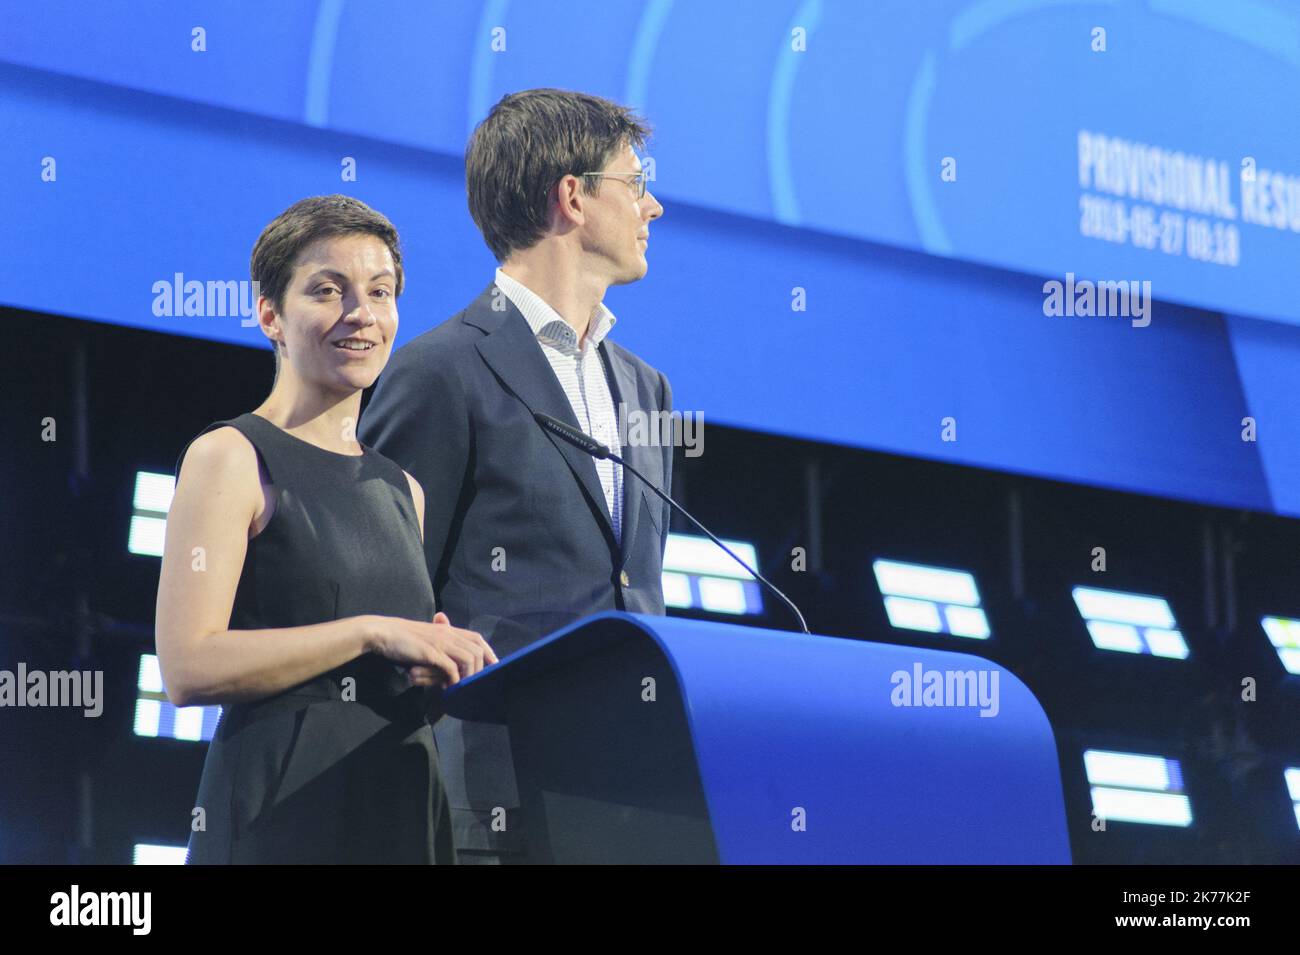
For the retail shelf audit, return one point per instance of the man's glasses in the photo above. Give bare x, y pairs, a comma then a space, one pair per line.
636, 183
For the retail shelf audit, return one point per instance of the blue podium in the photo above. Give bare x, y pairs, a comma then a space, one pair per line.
663, 740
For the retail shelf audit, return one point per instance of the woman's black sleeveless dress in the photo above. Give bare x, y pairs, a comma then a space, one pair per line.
342, 768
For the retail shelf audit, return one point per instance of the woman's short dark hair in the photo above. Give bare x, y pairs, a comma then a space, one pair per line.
528, 143
275, 255
276, 252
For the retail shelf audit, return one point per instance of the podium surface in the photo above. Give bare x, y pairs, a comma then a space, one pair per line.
660, 739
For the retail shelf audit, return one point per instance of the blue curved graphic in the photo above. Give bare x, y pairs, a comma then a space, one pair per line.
784, 204
320, 61
481, 68
648, 30
919, 168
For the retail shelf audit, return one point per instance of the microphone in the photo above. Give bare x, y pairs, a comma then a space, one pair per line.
585, 442
580, 439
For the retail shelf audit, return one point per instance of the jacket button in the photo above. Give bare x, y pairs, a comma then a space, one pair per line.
624, 579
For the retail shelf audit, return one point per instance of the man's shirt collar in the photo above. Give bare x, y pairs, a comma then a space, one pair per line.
545, 322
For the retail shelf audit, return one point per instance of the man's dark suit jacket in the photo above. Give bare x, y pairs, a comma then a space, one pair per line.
517, 535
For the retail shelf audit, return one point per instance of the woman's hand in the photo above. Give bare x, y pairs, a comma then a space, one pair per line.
434, 654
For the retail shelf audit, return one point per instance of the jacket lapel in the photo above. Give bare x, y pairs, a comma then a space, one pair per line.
512, 352
625, 400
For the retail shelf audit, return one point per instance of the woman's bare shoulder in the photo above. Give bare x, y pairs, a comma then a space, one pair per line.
224, 451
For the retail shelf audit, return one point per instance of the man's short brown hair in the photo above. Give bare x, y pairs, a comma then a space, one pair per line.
528, 143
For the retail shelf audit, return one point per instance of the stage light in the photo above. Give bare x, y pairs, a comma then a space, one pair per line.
933, 599
150, 503
699, 575
1130, 623
677, 589
1292, 776
1284, 634
1130, 787
155, 716
147, 854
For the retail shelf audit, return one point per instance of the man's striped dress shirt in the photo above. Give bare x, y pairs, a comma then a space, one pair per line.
582, 376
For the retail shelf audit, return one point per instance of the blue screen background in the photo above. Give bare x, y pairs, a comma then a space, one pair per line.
780, 169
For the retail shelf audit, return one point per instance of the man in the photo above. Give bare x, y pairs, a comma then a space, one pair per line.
525, 533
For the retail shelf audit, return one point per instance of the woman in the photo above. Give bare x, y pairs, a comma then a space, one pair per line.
294, 590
